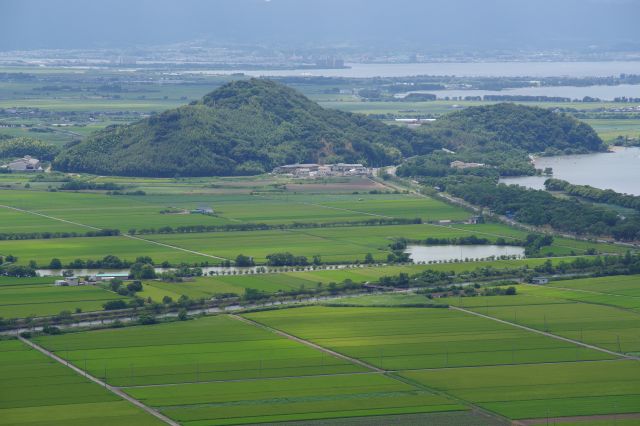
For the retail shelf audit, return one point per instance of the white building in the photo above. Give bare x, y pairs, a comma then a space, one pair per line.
25, 164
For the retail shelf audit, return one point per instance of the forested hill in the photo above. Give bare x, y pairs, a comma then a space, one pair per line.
251, 126
245, 127
502, 136
513, 126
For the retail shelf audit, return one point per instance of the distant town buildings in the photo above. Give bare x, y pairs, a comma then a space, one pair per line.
25, 164
330, 63
317, 170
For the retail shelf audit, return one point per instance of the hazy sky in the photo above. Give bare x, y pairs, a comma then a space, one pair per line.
28, 24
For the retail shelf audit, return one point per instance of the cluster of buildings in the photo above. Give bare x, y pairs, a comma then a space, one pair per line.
24, 164
323, 170
91, 279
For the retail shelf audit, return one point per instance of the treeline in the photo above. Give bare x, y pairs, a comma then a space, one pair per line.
79, 185
606, 196
19, 147
49, 235
596, 266
540, 208
265, 227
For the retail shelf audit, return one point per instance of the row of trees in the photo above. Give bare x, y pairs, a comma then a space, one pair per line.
540, 208
606, 196
49, 235
187, 229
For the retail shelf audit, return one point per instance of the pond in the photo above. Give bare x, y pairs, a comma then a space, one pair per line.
420, 253
618, 170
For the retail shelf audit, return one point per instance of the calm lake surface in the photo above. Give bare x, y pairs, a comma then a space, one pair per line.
461, 69
419, 253
618, 170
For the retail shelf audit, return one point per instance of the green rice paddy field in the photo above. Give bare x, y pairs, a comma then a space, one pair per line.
127, 212
419, 338
287, 399
35, 390
219, 370
69, 249
543, 390
83, 212
19, 299
206, 349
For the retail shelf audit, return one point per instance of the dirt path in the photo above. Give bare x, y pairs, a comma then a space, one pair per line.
310, 344
544, 333
94, 379
121, 235
605, 417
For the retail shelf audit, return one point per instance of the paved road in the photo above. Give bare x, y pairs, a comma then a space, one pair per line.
110, 388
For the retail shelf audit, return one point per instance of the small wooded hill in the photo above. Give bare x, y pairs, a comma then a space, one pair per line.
513, 126
245, 127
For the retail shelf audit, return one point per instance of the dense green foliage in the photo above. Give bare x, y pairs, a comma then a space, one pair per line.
509, 126
541, 208
245, 127
19, 147
607, 196
501, 136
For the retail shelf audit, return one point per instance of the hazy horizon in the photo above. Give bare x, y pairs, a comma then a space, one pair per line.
432, 25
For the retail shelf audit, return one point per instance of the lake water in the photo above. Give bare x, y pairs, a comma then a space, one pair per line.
618, 170
461, 69
419, 253
606, 93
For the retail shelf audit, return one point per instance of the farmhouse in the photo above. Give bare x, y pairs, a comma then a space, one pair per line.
350, 169
474, 220
539, 280
69, 282
317, 170
25, 164
202, 210
296, 169
111, 275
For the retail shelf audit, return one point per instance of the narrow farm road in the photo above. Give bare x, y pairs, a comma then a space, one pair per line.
50, 217
94, 379
122, 235
310, 344
544, 333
